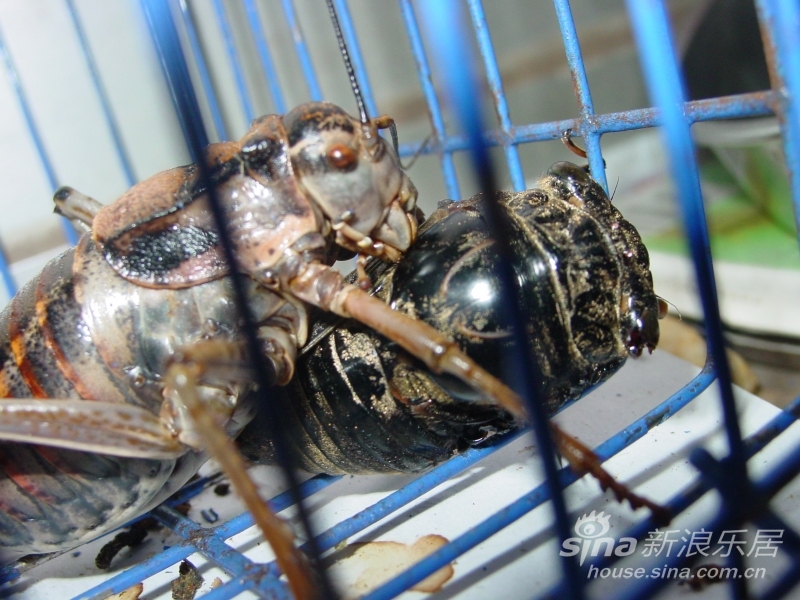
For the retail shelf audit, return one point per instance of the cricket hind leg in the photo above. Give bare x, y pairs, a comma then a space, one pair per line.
184, 380
582, 460
88, 426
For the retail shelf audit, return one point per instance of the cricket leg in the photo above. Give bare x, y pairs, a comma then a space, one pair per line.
183, 381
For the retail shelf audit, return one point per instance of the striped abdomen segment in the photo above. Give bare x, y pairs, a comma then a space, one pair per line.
51, 498
29, 368
46, 347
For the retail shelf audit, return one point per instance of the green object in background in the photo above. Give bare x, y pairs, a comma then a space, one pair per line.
753, 225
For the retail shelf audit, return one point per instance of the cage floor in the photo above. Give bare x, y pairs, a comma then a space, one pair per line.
520, 560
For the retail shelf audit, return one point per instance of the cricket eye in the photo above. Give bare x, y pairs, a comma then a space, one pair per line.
342, 157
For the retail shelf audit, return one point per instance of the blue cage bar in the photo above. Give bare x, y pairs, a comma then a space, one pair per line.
744, 499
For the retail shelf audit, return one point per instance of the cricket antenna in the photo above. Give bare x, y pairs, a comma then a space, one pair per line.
362, 109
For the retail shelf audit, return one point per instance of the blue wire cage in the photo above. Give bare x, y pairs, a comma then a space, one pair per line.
439, 35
